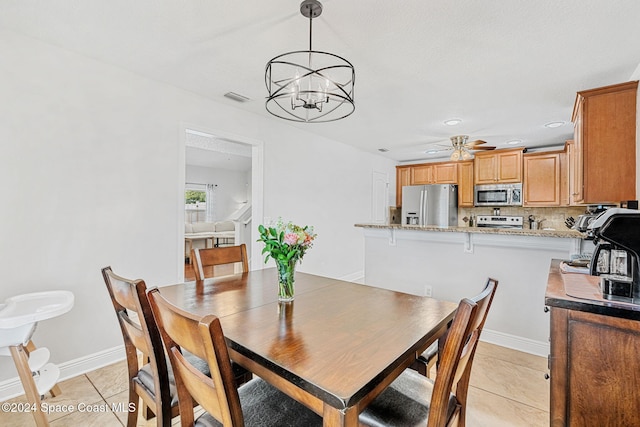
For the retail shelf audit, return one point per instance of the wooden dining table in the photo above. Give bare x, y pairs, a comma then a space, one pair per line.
334, 348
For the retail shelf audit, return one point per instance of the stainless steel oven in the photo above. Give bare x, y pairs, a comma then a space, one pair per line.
498, 195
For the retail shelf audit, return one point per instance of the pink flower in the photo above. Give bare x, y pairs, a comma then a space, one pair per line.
291, 238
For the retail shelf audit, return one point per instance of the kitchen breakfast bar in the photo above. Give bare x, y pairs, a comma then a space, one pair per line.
450, 263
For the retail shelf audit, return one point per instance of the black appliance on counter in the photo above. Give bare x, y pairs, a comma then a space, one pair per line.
592, 212
616, 259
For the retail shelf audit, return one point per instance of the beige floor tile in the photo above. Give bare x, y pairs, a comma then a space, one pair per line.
122, 399
16, 419
513, 356
75, 391
486, 409
103, 417
512, 381
111, 379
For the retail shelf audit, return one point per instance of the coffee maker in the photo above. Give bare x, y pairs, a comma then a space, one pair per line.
616, 234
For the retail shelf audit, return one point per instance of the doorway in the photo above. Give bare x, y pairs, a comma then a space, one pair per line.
228, 170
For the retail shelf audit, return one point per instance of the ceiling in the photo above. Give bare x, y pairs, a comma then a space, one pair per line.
215, 152
505, 67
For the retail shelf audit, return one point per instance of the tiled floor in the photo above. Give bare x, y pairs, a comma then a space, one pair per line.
507, 389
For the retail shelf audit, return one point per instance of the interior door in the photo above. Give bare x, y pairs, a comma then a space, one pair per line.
380, 198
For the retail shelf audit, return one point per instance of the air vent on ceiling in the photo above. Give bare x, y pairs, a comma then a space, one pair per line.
236, 97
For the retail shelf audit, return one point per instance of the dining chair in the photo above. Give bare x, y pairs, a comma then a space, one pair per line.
150, 378
220, 255
255, 403
412, 399
429, 358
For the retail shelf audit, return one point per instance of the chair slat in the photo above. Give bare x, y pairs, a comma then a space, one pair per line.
218, 256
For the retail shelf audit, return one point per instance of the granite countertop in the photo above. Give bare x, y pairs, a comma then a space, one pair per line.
572, 234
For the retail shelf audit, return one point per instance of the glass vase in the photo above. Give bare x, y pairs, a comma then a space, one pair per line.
286, 277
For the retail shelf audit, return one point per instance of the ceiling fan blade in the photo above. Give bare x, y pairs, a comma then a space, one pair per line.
476, 142
485, 147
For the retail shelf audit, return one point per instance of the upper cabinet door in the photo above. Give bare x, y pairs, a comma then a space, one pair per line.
509, 166
445, 173
542, 179
421, 174
465, 184
403, 177
485, 169
605, 142
500, 166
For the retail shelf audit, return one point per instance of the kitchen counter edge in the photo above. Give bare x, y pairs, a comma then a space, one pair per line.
556, 296
572, 234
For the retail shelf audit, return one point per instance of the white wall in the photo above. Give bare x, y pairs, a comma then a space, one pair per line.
90, 176
233, 187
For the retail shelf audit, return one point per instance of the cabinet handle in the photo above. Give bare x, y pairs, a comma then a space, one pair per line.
546, 309
546, 376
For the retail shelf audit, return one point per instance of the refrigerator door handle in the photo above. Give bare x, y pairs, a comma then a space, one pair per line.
424, 200
421, 213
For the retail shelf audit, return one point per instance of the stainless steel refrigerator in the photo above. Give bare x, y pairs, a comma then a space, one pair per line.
435, 204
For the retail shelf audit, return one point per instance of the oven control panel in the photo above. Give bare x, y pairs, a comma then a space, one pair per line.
500, 221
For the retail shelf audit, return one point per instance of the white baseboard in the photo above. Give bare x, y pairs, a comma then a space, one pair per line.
13, 387
526, 345
357, 277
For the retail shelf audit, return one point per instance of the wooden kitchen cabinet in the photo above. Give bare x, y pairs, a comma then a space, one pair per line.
403, 177
545, 179
445, 173
594, 363
425, 173
434, 173
498, 167
604, 157
421, 174
465, 183
574, 166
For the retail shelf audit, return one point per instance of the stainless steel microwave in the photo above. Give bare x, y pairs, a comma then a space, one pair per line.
498, 195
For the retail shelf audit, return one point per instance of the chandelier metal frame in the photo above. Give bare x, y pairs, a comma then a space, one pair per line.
302, 93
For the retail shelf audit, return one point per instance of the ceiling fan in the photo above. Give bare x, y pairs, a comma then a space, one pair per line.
462, 147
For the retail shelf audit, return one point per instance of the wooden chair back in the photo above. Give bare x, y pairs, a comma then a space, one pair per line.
221, 255
457, 357
202, 337
139, 332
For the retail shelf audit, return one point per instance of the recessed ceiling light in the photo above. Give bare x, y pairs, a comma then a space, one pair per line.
453, 122
514, 142
431, 151
554, 124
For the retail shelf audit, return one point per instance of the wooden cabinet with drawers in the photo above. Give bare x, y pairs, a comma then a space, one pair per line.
604, 148
594, 363
497, 167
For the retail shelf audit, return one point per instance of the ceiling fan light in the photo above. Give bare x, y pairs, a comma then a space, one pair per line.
466, 155
455, 156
